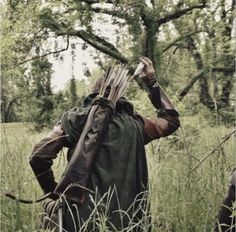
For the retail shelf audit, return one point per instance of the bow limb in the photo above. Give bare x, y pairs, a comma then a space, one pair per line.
25, 201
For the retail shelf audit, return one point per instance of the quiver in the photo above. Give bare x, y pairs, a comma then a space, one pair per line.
73, 183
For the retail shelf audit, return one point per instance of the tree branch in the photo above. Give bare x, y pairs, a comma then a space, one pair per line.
153, 3
212, 151
115, 13
179, 13
99, 43
173, 43
182, 93
118, 14
90, 2
225, 70
46, 54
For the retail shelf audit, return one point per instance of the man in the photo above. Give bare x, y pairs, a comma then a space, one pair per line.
116, 193
226, 220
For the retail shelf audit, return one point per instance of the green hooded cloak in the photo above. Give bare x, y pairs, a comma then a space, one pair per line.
118, 178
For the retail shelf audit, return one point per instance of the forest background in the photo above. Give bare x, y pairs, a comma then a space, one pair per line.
192, 46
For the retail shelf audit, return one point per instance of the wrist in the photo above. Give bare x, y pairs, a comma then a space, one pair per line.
151, 81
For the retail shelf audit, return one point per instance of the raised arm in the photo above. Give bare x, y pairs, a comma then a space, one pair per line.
167, 120
42, 157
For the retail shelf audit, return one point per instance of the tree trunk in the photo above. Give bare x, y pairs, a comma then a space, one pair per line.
225, 94
151, 30
204, 95
150, 43
227, 85
6, 110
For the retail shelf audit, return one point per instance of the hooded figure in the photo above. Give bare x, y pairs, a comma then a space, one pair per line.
115, 196
226, 220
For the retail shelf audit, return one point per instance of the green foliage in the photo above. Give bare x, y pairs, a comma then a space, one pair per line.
39, 107
19, 33
61, 104
73, 92
47, 19
190, 41
211, 47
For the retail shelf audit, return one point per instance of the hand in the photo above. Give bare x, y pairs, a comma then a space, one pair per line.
148, 69
149, 77
56, 132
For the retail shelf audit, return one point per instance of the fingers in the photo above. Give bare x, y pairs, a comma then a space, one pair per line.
143, 61
146, 61
148, 69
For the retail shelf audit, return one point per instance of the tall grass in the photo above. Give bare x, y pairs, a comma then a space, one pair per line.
17, 142
180, 201
189, 202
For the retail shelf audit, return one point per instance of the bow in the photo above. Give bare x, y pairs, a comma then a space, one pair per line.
25, 201
42, 198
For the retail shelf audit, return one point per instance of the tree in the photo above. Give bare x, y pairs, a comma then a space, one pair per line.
146, 23
26, 92
212, 53
160, 30
143, 23
73, 92
39, 107
19, 35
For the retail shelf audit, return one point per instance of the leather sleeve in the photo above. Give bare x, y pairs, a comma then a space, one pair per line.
42, 157
164, 125
167, 120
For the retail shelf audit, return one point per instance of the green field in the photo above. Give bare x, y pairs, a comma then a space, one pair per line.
180, 202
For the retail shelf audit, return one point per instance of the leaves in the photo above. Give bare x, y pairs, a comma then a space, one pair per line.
182, 38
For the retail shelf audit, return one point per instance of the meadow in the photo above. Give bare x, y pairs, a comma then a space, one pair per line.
181, 200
